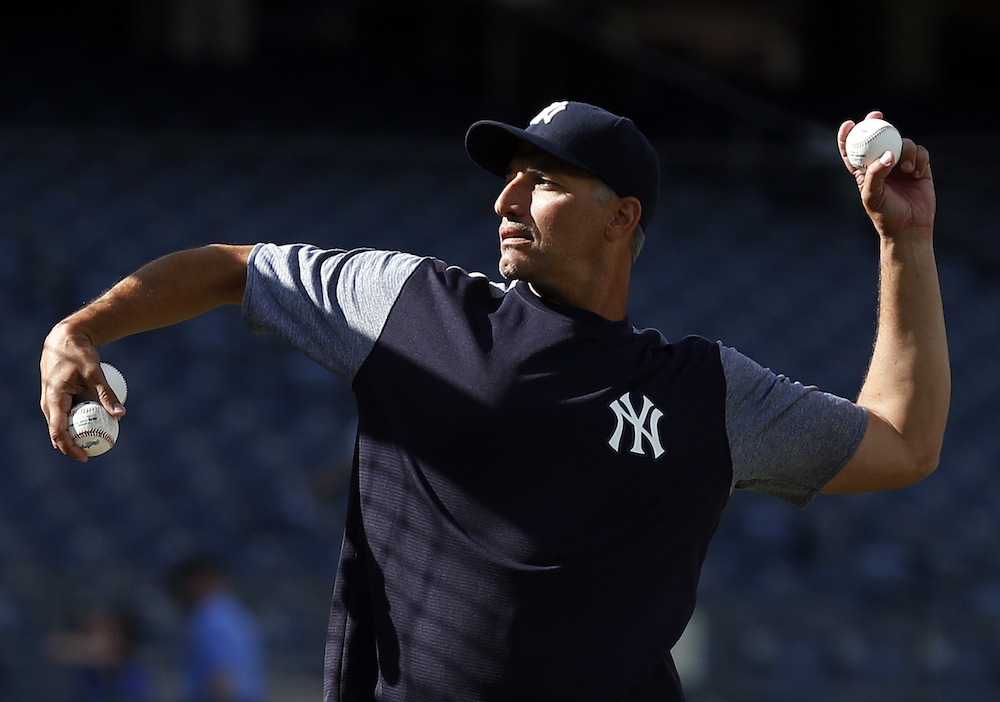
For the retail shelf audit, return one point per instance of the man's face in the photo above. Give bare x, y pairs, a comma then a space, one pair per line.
552, 223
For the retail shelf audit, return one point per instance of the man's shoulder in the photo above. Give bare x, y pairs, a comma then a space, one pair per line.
453, 276
686, 348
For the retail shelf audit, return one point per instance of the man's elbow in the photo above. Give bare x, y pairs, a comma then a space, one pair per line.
910, 453
231, 261
916, 464
886, 461
925, 463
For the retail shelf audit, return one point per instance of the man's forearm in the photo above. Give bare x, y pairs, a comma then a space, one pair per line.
909, 380
169, 290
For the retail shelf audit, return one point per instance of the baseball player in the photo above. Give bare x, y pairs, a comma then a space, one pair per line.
536, 481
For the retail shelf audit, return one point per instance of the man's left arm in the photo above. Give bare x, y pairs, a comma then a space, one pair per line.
908, 387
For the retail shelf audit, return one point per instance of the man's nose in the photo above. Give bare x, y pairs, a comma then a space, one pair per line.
511, 198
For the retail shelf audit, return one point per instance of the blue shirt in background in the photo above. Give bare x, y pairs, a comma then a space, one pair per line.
223, 639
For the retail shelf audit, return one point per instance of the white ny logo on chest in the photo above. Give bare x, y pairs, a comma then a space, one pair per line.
645, 425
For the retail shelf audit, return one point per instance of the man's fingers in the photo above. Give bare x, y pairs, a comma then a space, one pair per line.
842, 133
879, 170
871, 180
69, 369
70, 449
56, 411
922, 163
908, 156
106, 396
914, 160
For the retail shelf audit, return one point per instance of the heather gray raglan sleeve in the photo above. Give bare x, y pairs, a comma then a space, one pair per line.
329, 304
786, 439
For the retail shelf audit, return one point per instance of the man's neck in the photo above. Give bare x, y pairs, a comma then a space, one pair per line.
605, 301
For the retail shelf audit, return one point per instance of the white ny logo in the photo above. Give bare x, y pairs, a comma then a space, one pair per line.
624, 410
549, 112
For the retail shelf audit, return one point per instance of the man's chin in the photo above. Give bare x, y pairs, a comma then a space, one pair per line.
510, 269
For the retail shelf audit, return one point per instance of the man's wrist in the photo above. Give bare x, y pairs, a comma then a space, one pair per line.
908, 236
75, 327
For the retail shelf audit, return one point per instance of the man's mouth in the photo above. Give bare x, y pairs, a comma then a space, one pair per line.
514, 233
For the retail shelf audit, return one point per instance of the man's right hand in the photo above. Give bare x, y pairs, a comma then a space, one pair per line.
70, 366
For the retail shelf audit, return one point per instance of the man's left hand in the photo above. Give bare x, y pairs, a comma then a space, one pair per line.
899, 197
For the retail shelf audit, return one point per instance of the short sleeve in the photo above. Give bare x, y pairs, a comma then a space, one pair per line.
786, 439
329, 304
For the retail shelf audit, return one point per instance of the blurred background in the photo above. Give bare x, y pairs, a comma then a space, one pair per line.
132, 128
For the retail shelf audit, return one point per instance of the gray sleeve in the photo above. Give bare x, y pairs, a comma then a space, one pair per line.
786, 439
329, 304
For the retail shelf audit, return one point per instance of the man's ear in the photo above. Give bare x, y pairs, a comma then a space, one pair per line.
624, 218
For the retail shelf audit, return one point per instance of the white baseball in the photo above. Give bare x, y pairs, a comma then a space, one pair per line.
869, 139
92, 428
116, 380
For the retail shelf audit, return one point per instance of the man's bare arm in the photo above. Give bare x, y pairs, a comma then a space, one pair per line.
169, 290
908, 387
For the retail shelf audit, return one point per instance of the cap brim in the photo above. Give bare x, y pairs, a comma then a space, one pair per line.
492, 145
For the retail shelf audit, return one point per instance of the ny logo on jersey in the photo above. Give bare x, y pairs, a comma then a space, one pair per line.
549, 112
645, 425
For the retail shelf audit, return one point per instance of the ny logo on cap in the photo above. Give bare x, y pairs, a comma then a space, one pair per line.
549, 112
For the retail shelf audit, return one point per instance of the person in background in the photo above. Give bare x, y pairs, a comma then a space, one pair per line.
223, 655
102, 649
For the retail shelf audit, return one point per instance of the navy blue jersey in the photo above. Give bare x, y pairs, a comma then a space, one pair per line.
535, 486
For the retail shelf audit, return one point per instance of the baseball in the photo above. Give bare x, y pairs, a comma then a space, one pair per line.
116, 380
869, 139
92, 428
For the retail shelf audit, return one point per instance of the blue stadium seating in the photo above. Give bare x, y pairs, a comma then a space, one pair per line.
236, 443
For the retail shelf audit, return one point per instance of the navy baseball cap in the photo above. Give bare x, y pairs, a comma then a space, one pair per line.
588, 137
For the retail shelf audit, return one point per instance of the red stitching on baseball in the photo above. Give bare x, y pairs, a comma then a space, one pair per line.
99, 433
874, 134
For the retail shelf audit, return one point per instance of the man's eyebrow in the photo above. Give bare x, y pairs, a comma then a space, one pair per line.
535, 169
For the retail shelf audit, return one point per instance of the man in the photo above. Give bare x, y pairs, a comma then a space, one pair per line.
223, 654
536, 481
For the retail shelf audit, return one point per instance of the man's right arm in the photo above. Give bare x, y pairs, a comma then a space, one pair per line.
169, 290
